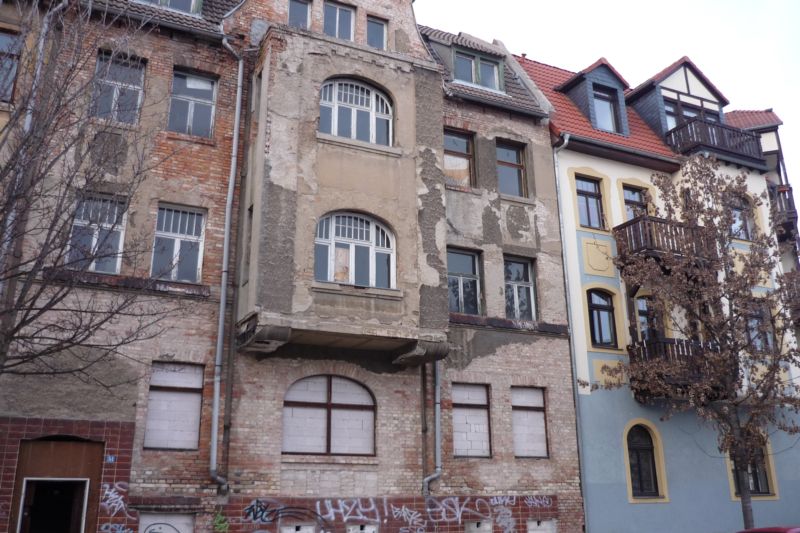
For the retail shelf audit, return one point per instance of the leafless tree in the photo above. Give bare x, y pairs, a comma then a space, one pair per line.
74, 152
709, 268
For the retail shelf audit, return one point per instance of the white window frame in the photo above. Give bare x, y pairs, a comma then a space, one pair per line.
326, 235
179, 237
96, 226
164, 4
329, 97
385, 26
339, 7
306, 3
477, 78
197, 390
192, 100
117, 85
462, 276
528, 285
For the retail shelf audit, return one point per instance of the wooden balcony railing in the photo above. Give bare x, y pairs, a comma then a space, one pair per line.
667, 349
699, 133
785, 211
652, 235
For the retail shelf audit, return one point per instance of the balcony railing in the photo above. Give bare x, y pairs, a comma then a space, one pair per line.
785, 211
667, 349
658, 236
703, 134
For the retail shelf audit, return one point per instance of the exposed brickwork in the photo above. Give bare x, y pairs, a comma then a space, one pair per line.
118, 440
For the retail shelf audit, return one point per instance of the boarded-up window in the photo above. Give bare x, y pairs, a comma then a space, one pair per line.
471, 435
328, 415
528, 419
173, 406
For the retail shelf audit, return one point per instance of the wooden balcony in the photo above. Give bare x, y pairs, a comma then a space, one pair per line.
657, 236
666, 349
785, 212
728, 143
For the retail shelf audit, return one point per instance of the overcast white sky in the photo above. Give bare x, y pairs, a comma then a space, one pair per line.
749, 49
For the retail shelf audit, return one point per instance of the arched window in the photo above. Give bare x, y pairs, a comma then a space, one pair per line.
328, 415
354, 249
354, 110
642, 462
601, 319
743, 225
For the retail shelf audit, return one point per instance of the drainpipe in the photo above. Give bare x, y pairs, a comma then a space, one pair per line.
564, 142
437, 430
223, 284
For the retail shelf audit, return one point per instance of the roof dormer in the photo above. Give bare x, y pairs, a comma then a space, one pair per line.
599, 92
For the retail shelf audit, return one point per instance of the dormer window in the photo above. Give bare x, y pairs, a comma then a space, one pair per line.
478, 70
187, 6
606, 111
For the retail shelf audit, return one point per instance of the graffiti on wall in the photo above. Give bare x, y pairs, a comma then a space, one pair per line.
420, 516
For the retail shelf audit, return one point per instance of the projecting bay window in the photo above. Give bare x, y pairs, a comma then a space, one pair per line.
355, 250
178, 246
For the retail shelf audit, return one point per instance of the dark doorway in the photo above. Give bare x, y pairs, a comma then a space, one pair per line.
53, 506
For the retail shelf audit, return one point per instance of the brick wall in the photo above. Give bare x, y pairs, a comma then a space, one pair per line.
117, 437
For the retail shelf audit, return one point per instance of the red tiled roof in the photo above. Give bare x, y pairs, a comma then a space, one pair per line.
664, 74
567, 118
601, 61
752, 120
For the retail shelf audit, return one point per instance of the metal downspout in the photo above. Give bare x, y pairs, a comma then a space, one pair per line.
223, 285
565, 141
437, 430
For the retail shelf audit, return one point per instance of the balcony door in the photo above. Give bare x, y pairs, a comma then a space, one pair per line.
648, 325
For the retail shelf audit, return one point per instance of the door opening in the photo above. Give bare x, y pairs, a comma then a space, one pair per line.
53, 505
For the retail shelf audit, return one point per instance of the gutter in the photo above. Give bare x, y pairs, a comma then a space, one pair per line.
150, 19
633, 151
565, 138
437, 430
226, 245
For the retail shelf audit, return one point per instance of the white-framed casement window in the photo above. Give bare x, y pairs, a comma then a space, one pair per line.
529, 422
478, 70
98, 230
354, 249
471, 431
178, 246
357, 111
328, 415
520, 295
118, 88
376, 33
9, 60
173, 406
464, 282
338, 21
191, 108
299, 11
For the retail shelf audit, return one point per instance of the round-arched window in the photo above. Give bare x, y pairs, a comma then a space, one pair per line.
354, 249
355, 110
641, 456
328, 415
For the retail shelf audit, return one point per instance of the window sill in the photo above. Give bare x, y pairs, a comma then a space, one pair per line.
517, 199
114, 281
7, 107
353, 290
390, 151
481, 87
652, 499
510, 324
462, 188
114, 125
176, 136
599, 231
330, 459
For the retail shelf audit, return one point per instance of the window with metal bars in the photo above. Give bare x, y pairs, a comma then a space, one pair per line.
178, 246
354, 249
355, 111
95, 242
